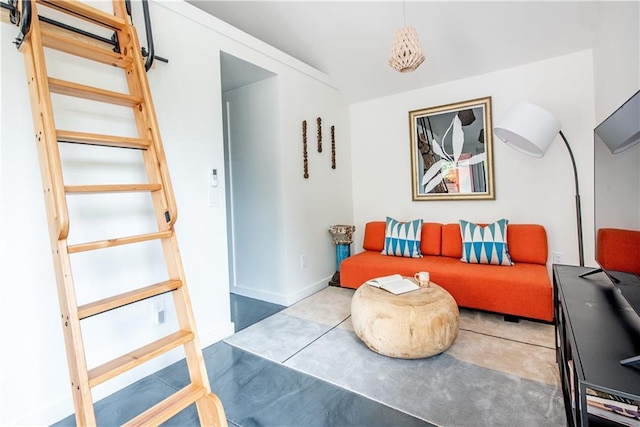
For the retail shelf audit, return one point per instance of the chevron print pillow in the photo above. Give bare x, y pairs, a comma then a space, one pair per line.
402, 238
485, 245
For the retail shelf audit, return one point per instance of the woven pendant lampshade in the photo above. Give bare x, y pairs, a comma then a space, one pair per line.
407, 53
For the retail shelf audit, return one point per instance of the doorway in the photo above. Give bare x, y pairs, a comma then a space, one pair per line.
250, 119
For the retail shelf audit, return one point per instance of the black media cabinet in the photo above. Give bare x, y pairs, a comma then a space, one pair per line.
595, 329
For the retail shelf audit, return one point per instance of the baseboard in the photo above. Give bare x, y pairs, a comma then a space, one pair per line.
62, 408
212, 336
277, 298
46, 416
307, 291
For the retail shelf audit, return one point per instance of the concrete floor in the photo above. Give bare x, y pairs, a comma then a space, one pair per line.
253, 390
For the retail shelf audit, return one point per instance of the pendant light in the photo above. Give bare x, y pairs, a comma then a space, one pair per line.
407, 53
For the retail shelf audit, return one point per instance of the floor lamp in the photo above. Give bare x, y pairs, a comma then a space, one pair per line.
531, 130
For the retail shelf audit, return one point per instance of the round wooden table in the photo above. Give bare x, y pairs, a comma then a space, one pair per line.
412, 325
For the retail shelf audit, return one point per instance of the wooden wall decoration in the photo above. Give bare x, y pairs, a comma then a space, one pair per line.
319, 123
333, 147
304, 149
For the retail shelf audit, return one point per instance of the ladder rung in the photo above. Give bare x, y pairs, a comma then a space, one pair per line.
104, 140
64, 87
115, 188
86, 37
137, 357
4, 16
102, 244
86, 12
126, 298
72, 46
169, 407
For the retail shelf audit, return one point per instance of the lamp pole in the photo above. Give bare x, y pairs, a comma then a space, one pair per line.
578, 207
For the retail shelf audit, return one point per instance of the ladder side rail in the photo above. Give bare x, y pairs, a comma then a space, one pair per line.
193, 350
58, 221
73, 340
147, 125
45, 132
155, 159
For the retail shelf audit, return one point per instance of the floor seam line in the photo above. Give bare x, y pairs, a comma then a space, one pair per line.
507, 339
316, 339
164, 382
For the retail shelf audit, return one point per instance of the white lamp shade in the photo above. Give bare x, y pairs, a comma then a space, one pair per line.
528, 128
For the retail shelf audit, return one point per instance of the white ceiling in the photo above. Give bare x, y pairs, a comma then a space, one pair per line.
351, 40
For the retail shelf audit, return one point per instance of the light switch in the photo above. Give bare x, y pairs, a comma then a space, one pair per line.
214, 177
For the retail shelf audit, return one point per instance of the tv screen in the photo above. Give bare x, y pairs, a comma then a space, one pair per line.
617, 198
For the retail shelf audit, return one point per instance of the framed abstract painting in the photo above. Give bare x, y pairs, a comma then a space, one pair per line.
452, 151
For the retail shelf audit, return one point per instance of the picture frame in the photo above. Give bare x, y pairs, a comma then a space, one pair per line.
452, 151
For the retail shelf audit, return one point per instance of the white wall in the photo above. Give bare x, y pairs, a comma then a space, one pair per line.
311, 205
188, 101
325, 198
290, 214
255, 164
616, 65
616, 56
528, 190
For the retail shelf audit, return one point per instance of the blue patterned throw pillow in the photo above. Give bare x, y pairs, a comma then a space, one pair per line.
485, 244
402, 238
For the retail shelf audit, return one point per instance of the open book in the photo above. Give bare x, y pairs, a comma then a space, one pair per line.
396, 284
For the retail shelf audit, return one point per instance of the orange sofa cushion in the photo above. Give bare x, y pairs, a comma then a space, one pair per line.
618, 249
526, 242
429, 240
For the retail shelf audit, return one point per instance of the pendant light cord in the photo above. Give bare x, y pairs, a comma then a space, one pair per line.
404, 13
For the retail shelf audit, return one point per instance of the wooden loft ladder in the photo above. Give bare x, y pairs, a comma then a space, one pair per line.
34, 36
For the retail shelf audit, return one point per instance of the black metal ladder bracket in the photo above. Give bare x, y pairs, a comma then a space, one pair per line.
22, 17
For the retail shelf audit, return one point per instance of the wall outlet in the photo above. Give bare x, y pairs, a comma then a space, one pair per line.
158, 312
303, 261
557, 257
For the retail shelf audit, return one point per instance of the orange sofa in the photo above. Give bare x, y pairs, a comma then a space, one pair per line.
522, 290
617, 249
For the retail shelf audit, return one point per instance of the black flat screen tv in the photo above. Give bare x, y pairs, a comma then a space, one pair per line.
617, 199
